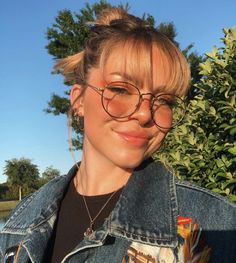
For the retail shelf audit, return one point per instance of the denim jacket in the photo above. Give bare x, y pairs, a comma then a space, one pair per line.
156, 219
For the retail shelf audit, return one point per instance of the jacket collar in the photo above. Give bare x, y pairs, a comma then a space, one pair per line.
145, 212
147, 208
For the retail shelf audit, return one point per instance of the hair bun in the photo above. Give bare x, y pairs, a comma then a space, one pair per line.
108, 15
118, 18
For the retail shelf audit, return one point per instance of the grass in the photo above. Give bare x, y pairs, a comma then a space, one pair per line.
7, 205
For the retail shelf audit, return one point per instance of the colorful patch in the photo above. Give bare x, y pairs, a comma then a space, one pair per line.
191, 250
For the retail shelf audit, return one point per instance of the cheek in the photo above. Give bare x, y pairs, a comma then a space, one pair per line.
163, 116
156, 142
94, 114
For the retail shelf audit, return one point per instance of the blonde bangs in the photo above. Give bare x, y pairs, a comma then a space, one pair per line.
179, 78
134, 57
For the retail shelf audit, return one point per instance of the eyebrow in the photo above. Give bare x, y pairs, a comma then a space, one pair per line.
124, 75
131, 79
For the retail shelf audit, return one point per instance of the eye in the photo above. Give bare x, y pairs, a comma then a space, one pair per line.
119, 89
167, 100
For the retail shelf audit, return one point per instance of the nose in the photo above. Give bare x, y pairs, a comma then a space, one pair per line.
143, 113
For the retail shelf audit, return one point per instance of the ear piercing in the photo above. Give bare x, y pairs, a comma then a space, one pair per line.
80, 120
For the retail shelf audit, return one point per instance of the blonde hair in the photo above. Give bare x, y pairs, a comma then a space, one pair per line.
115, 28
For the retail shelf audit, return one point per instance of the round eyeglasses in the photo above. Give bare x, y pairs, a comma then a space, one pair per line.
122, 99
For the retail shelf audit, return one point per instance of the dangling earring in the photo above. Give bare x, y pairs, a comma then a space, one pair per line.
80, 121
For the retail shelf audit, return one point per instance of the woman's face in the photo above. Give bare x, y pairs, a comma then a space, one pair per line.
125, 143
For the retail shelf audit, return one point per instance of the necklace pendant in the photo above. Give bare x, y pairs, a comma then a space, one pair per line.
88, 231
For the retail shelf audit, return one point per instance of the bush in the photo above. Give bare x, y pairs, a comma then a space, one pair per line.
203, 148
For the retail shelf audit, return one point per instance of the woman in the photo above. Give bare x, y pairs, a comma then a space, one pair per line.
117, 205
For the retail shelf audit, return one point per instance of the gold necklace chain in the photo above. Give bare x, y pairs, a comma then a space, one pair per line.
89, 230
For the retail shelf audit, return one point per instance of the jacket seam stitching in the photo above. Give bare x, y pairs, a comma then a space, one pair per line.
194, 187
136, 235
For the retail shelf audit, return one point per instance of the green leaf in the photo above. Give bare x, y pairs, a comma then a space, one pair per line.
219, 163
213, 53
183, 129
221, 62
201, 104
206, 67
212, 111
232, 198
191, 139
232, 150
233, 32
229, 182
232, 131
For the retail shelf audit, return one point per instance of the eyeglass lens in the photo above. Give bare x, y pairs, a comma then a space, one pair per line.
121, 100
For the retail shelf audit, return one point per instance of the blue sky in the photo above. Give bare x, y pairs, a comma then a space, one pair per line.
26, 82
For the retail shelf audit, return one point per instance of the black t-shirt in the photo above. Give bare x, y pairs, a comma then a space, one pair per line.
73, 219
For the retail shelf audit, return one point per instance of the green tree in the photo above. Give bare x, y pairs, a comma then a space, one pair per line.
203, 148
194, 60
169, 30
67, 36
22, 177
50, 173
3, 191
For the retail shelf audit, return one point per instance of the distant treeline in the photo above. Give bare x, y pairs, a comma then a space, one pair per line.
23, 178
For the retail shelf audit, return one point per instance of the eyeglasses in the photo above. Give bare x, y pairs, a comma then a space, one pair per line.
122, 99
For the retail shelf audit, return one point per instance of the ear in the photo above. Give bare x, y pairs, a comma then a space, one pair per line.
76, 99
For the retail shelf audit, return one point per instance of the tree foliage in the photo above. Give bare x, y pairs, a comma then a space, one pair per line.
169, 30
21, 174
194, 60
3, 191
49, 174
68, 34
203, 148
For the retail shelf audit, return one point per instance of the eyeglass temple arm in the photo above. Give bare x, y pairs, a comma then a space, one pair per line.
98, 90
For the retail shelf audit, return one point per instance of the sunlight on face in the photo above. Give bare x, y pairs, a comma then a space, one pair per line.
134, 138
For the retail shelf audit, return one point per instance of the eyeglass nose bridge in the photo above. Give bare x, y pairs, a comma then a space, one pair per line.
141, 95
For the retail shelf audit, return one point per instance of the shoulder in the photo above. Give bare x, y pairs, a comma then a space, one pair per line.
34, 213
37, 207
192, 193
209, 208
194, 201
213, 215
186, 188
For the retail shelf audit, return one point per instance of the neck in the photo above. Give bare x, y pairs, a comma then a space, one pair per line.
97, 175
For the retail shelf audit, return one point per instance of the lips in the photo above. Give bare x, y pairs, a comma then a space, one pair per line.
135, 138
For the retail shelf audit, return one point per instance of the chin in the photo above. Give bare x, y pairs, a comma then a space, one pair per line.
129, 161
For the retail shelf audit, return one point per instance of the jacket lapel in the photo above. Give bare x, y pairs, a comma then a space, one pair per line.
147, 208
